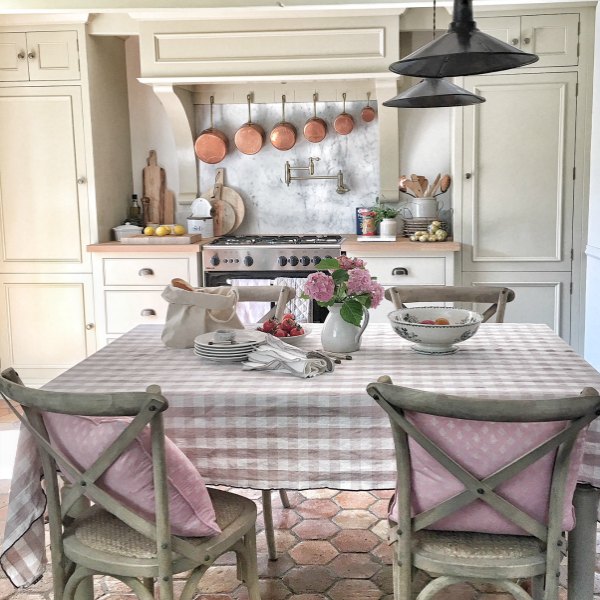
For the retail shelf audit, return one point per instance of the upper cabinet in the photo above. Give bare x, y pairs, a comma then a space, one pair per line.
39, 56
554, 38
268, 47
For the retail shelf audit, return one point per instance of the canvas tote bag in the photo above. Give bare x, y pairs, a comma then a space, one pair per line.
201, 311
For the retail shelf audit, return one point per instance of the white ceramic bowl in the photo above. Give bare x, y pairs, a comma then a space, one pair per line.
435, 339
294, 340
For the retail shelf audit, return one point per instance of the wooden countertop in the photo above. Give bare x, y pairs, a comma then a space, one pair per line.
119, 247
402, 245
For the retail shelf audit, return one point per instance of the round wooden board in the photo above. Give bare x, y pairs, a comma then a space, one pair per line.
227, 216
232, 198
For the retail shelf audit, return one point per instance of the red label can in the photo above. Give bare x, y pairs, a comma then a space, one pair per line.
365, 220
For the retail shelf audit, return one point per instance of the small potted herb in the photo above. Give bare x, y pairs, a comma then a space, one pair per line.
385, 219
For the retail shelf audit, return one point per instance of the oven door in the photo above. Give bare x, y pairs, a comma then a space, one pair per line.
305, 310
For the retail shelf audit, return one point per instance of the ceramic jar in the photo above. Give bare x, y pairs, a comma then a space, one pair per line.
388, 227
338, 335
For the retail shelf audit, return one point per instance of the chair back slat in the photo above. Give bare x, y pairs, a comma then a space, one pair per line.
279, 295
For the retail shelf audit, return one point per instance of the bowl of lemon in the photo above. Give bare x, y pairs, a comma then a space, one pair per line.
163, 230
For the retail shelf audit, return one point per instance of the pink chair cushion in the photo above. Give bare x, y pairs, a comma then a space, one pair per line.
483, 448
129, 479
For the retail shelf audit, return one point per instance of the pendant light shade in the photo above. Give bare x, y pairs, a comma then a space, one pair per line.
432, 93
463, 50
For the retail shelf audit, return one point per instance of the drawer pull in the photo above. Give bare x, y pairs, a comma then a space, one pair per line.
143, 272
90, 326
148, 312
400, 271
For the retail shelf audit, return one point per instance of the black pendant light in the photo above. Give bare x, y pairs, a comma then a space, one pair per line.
463, 50
431, 93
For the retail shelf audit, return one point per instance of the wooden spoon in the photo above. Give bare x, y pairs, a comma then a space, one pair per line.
416, 186
181, 284
445, 183
433, 188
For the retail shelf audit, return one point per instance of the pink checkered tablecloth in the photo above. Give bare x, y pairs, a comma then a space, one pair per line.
269, 430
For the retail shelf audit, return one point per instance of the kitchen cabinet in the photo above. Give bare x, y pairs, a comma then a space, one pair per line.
47, 323
39, 56
129, 282
553, 37
65, 181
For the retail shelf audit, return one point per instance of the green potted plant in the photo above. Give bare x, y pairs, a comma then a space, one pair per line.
385, 219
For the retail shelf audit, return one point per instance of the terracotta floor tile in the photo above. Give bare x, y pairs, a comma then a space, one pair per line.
354, 499
314, 552
317, 509
284, 541
387, 494
309, 579
384, 552
381, 529
380, 508
219, 579
285, 518
354, 566
355, 540
355, 589
274, 568
354, 519
321, 493
383, 579
315, 529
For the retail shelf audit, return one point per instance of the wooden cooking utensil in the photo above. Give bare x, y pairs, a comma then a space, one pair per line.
154, 181
445, 182
434, 186
423, 183
182, 284
416, 186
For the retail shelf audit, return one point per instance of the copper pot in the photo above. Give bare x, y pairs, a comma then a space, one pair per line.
283, 135
315, 128
250, 137
368, 114
344, 123
211, 145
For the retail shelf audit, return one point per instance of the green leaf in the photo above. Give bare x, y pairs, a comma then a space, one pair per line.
352, 311
340, 276
328, 264
364, 299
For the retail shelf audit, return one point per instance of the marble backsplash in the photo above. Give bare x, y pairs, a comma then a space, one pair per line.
304, 206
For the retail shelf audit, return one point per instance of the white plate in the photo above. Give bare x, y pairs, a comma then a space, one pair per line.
228, 359
228, 355
201, 207
229, 350
243, 338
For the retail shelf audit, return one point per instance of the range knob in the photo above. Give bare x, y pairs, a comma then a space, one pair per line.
282, 261
214, 260
248, 261
305, 261
293, 260
316, 260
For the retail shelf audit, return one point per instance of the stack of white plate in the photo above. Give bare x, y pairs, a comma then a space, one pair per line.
235, 351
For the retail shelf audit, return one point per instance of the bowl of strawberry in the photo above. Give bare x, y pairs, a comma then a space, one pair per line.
288, 329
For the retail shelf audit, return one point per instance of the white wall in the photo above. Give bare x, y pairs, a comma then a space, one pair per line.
592, 312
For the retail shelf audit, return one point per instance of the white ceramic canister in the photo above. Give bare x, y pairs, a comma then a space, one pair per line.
203, 225
388, 227
424, 208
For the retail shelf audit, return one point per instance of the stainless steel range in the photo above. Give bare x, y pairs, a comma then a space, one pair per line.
280, 259
274, 253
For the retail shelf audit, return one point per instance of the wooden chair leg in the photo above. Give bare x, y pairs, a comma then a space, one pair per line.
268, 519
537, 587
284, 499
249, 567
148, 583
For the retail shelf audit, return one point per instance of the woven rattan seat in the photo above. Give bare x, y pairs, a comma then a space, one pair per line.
108, 538
456, 556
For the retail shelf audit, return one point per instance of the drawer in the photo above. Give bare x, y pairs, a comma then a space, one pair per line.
145, 271
412, 270
127, 308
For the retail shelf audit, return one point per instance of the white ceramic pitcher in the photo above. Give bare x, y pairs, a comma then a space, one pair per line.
338, 335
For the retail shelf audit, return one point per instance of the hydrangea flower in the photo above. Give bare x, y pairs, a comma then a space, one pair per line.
348, 263
377, 293
319, 286
359, 281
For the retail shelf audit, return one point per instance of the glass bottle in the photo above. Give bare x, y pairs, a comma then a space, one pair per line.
135, 211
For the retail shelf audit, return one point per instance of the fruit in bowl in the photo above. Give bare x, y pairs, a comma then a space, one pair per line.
435, 329
288, 329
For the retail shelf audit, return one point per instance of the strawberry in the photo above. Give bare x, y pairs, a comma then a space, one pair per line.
280, 333
289, 316
296, 331
287, 324
269, 326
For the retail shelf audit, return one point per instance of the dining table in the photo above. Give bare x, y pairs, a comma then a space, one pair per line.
271, 430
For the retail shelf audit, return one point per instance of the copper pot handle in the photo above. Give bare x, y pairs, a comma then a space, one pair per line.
344, 102
212, 101
369, 99
283, 108
249, 98
315, 96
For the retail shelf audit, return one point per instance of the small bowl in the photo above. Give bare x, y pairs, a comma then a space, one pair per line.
294, 340
435, 339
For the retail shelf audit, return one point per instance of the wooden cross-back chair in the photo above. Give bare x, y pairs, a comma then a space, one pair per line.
280, 295
452, 557
82, 546
496, 297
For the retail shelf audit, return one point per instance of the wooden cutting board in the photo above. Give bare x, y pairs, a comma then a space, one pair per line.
222, 212
230, 196
154, 181
165, 239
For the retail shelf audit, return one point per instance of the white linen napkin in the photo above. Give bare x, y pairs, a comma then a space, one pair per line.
275, 355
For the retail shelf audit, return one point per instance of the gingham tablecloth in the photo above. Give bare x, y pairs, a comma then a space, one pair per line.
270, 430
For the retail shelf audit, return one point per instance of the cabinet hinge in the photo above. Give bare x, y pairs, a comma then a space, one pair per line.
574, 171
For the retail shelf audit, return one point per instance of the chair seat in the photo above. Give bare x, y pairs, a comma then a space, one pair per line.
102, 542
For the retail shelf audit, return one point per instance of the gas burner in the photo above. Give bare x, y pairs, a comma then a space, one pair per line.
320, 239
276, 240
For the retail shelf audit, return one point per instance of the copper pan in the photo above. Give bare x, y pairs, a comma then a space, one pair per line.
250, 137
368, 114
315, 129
283, 135
211, 145
344, 123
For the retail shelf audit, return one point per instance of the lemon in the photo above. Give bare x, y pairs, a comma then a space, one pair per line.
149, 231
162, 230
167, 227
179, 230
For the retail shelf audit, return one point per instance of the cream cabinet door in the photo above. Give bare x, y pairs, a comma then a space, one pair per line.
13, 57
554, 38
44, 213
52, 55
47, 324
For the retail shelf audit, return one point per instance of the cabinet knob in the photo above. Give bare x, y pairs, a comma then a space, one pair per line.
145, 272
148, 312
90, 326
31, 55
515, 41
400, 271
526, 40
468, 175
21, 55
81, 180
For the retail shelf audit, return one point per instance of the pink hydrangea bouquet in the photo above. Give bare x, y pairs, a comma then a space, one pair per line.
345, 281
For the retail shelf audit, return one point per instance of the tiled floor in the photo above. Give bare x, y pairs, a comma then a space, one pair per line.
332, 547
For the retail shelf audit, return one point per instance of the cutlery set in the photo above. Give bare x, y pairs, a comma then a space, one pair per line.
418, 186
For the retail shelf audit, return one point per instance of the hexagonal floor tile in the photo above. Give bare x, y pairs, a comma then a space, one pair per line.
354, 566
355, 519
313, 552
355, 540
355, 589
309, 579
315, 529
319, 508
354, 499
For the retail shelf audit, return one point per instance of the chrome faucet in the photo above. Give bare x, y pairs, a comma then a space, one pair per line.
341, 187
